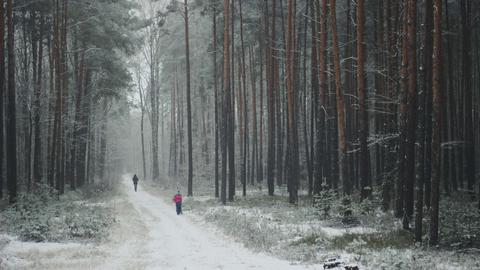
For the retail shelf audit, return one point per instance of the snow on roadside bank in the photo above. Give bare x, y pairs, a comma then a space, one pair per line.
20, 255
178, 242
272, 226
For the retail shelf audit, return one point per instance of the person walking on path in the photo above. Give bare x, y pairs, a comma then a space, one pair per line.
177, 199
135, 182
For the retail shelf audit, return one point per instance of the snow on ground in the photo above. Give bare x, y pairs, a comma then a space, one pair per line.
335, 232
175, 242
28, 255
148, 235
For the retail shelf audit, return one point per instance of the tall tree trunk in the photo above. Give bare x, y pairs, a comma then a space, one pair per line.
142, 134
64, 86
467, 84
436, 128
215, 85
244, 106
253, 80
231, 111
263, 52
400, 193
271, 104
11, 128
342, 145
154, 105
323, 154
424, 126
172, 167
362, 100
292, 126
427, 103
53, 108
452, 116
304, 105
412, 113
317, 151
2, 94
37, 156
84, 125
390, 10
27, 105
78, 72
226, 96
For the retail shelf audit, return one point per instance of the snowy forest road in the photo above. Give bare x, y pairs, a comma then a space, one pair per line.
167, 241
147, 235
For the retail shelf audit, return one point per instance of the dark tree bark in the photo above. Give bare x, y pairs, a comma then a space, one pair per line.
293, 173
2, 94
362, 100
342, 145
424, 130
263, 52
142, 134
412, 112
323, 156
28, 125
425, 160
37, 153
271, 105
390, 11
399, 188
78, 70
437, 113
189, 105
317, 151
81, 172
11, 114
215, 86
64, 88
154, 104
244, 106
226, 97
467, 88
231, 111
454, 151
304, 103
172, 168
254, 156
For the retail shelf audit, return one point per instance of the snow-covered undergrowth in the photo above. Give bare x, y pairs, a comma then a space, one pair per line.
369, 237
41, 216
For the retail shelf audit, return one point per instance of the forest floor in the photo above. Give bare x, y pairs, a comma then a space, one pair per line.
147, 234
303, 235
253, 232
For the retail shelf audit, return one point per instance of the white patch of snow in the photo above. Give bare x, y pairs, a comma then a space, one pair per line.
175, 242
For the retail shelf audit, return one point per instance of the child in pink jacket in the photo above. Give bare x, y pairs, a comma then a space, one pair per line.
177, 199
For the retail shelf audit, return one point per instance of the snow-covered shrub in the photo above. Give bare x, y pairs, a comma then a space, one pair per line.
253, 231
459, 222
88, 223
43, 216
34, 231
374, 241
26, 217
346, 212
95, 190
369, 205
323, 202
